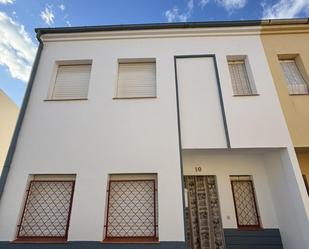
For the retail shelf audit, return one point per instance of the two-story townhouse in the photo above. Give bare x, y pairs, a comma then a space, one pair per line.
289, 64
8, 116
161, 135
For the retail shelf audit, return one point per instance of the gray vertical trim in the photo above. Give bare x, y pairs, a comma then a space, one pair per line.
9, 157
179, 127
180, 153
228, 143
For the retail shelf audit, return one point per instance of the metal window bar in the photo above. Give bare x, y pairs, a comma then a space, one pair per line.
245, 204
131, 210
295, 81
47, 209
240, 79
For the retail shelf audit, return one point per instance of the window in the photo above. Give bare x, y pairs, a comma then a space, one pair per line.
131, 208
294, 78
244, 201
136, 79
47, 208
241, 82
71, 82
306, 183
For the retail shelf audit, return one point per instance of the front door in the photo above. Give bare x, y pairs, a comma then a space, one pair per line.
203, 217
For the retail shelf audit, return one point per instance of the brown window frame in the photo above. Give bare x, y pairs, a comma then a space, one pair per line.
306, 183
138, 239
45, 238
246, 227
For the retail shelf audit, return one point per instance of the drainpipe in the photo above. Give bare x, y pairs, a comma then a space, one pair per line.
10, 154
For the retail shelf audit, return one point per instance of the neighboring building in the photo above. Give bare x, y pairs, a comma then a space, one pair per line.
154, 135
289, 65
8, 116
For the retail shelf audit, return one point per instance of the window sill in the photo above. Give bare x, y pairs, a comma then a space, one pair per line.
250, 228
151, 97
245, 95
40, 241
65, 99
298, 94
131, 241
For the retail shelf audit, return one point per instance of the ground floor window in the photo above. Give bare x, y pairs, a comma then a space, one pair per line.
245, 202
47, 208
131, 208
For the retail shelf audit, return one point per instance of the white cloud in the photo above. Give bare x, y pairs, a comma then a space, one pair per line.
285, 8
16, 48
7, 1
47, 15
203, 3
175, 15
62, 7
190, 5
68, 23
231, 5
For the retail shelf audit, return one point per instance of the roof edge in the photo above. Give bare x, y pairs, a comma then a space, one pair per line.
178, 25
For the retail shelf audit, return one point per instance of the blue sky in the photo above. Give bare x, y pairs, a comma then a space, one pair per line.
18, 18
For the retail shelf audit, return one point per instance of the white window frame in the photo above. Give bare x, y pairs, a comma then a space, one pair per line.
135, 61
231, 59
54, 77
300, 71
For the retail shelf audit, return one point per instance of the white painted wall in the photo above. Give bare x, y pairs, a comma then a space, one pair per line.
283, 172
97, 137
223, 164
200, 110
100, 136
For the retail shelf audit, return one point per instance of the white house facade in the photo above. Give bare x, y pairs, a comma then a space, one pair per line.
153, 136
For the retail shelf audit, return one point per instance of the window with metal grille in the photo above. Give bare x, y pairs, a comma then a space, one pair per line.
131, 210
241, 83
245, 202
294, 78
136, 80
47, 210
72, 82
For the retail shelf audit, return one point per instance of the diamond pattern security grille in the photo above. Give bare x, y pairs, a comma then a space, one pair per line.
245, 205
47, 210
131, 209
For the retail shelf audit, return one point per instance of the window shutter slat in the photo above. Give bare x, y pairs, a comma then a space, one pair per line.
72, 82
136, 80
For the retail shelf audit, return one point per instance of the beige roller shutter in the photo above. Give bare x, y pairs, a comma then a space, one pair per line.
72, 82
136, 80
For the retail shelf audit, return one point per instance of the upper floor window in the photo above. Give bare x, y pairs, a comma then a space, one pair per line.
245, 202
242, 83
136, 79
71, 82
294, 78
47, 208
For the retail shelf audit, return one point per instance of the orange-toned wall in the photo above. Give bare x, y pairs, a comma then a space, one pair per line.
303, 159
289, 39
